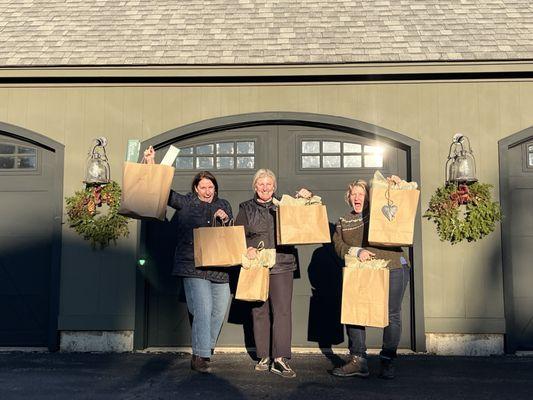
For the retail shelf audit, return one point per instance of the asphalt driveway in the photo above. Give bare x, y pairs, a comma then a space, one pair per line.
168, 376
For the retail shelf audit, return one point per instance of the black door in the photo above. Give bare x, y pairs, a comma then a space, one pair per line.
322, 160
28, 205
518, 242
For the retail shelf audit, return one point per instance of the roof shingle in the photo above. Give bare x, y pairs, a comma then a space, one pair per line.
174, 32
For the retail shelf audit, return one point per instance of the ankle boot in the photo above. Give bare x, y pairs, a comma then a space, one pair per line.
200, 364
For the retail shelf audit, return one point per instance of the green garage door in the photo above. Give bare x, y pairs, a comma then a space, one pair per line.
518, 242
322, 160
28, 204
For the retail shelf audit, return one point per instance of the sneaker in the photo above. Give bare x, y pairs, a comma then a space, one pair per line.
263, 364
281, 367
386, 370
356, 366
200, 364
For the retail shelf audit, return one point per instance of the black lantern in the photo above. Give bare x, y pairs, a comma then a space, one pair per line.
460, 165
97, 171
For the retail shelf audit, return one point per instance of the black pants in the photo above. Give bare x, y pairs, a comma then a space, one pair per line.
399, 278
279, 304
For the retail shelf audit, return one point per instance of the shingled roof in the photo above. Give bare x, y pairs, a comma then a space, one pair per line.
196, 32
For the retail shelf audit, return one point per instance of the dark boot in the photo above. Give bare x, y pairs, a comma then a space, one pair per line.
356, 366
200, 364
386, 370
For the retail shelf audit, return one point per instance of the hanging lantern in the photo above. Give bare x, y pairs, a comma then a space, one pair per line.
460, 165
97, 170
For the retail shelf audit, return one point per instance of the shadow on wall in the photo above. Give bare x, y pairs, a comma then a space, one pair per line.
25, 292
96, 289
325, 277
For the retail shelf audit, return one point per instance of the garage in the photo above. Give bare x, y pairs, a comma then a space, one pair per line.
31, 174
321, 157
516, 188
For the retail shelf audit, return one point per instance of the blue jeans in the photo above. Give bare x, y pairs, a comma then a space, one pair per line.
207, 302
399, 278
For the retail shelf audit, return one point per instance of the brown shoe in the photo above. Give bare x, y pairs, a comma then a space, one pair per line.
356, 366
200, 364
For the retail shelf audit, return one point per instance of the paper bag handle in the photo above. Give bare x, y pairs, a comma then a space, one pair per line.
231, 222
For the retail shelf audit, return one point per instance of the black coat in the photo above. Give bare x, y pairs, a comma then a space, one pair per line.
194, 213
259, 221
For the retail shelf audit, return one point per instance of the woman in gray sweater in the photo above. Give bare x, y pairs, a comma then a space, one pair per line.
351, 237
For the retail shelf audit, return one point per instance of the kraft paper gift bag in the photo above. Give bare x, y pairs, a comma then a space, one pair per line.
218, 246
253, 283
365, 293
254, 276
392, 213
145, 190
301, 222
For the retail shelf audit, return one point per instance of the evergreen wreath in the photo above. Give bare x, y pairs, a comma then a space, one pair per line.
476, 220
85, 219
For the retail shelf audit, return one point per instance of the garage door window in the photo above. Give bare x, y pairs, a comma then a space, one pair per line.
221, 156
530, 155
318, 154
14, 157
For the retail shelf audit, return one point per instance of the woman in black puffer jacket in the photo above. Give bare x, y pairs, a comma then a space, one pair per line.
206, 289
258, 217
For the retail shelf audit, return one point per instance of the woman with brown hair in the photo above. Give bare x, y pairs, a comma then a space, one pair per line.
206, 289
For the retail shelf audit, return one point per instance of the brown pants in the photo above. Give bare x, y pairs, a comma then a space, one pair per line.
279, 302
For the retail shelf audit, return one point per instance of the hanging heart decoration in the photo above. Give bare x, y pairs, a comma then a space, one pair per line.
389, 211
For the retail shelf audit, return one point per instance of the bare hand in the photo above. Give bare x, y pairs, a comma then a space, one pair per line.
220, 213
149, 155
251, 253
304, 193
365, 255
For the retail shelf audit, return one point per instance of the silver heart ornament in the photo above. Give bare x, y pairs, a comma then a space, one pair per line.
389, 211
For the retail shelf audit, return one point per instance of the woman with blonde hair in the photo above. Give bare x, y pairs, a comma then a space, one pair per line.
351, 237
272, 334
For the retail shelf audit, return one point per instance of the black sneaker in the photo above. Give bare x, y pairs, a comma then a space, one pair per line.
281, 367
263, 364
356, 366
386, 370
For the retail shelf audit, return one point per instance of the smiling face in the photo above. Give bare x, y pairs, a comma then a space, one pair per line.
358, 199
205, 190
264, 187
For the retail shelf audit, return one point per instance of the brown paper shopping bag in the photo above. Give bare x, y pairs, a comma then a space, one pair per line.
392, 216
365, 296
253, 284
218, 246
302, 224
145, 190
254, 276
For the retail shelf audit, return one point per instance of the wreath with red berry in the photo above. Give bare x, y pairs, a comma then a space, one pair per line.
463, 212
85, 215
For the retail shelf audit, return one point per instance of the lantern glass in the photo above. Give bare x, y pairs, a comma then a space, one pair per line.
461, 165
466, 168
97, 170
